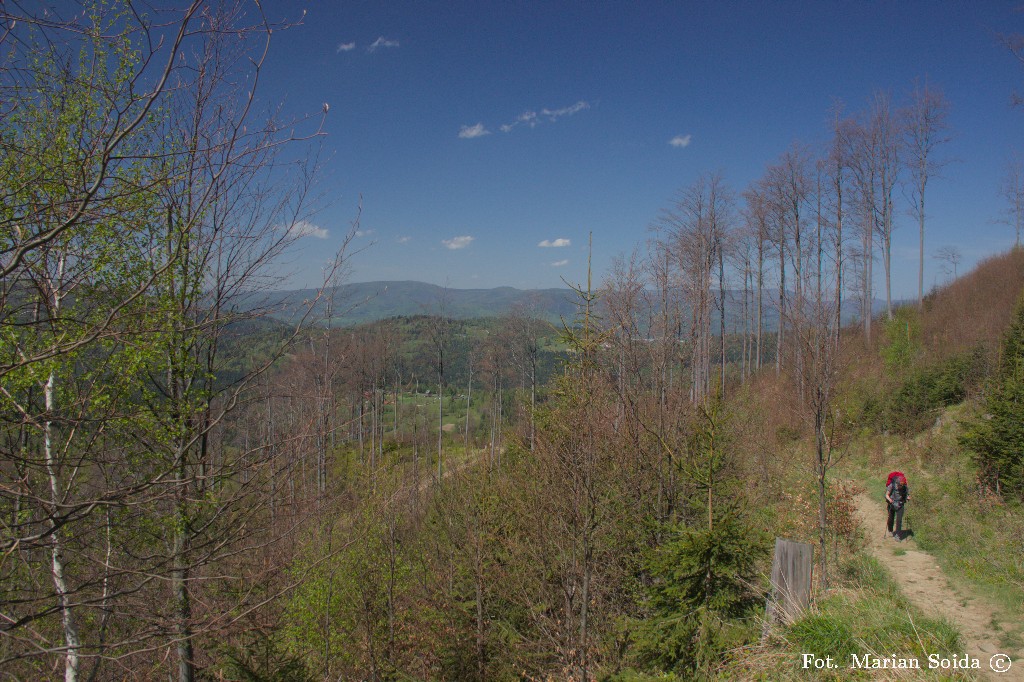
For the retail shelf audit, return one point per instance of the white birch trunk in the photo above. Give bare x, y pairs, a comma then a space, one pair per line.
71, 639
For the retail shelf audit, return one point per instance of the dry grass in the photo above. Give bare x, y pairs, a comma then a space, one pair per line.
975, 309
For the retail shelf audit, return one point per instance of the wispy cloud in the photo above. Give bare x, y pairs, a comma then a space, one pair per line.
555, 243
555, 114
680, 141
305, 228
469, 132
458, 242
381, 42
345, 47
527, 118
364, 233
404, 240
560, 263
532, 118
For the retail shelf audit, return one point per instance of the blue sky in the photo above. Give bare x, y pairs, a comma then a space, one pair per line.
476, 132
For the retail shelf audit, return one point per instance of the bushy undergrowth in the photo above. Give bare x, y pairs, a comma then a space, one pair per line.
913, 387
995, 437
917, 399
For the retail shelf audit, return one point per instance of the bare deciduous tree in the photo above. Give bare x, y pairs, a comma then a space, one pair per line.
756, 216
951, 256
925, 127
694, 230
1012, 190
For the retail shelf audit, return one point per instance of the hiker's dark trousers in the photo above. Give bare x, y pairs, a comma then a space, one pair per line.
897, 516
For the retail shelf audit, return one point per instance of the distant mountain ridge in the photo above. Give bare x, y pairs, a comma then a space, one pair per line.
361, 302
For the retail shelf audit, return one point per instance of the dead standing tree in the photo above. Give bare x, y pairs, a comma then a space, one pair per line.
862, 149
836, 168
694, 230
523, 330
1012, 190
755, 216
816, 334
925, 126
787, 188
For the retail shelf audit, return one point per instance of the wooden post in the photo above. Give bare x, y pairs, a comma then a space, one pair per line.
792, 573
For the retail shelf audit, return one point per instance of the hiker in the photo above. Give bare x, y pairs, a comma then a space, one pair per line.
896, 494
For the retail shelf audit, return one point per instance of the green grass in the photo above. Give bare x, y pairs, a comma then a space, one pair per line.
870, 616
865, 613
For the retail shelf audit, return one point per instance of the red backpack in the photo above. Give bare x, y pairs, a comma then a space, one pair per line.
892, 475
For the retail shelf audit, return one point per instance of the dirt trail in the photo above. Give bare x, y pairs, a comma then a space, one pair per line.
927, 587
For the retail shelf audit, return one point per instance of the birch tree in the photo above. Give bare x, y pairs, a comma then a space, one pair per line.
77, 183
164, 208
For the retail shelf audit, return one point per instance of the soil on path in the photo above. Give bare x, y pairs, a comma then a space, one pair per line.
926, 586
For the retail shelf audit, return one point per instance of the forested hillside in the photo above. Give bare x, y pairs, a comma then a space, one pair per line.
196, 486
371, 301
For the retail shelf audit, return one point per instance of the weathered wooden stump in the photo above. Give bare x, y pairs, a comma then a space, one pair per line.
792, 573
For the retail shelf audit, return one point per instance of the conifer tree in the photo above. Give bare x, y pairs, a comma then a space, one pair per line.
996, 437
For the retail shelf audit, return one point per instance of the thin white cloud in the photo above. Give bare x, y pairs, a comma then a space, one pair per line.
555, 243
527, 118
404, 240
560, 263
305, 228
681, 141
381, 42
345, 47
555, 114
532, 118
364, 233
469, 132
458, 242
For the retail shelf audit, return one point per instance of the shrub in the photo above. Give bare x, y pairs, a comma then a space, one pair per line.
924, 391
902, 345
700, 589
997, 438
